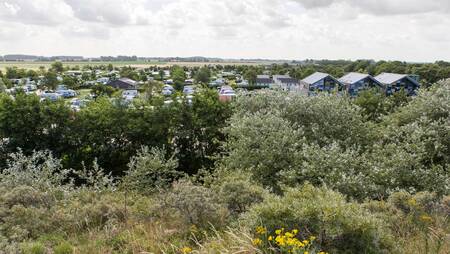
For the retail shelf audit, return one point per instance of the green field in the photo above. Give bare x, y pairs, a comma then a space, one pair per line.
137, 64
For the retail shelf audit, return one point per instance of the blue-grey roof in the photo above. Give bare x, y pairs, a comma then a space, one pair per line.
390, 78
311, 79
353, 77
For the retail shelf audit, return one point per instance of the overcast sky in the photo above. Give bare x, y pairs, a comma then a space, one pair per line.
411, 30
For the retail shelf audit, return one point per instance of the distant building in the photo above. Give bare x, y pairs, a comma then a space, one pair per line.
263, 81
395, 82
103, 80
287, 83
123, 83
217, 82
322, 82
356, 82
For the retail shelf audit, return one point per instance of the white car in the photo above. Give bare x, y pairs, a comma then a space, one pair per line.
67, 93
129, 95
76, 104
189, 90
167, 90
50, 96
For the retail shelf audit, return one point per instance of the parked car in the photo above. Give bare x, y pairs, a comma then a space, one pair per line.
129, 95
167, 90
76, 104
67, 93
50, 96
189, 90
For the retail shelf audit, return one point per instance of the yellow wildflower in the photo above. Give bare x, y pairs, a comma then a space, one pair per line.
280, 240
426, 218
289, 234
305, 252
312, 238
278, 231
412, 202
257, 242
294, 231
186, 250
270, 238
261, 230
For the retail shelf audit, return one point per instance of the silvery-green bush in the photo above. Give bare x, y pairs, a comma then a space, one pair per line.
340, 226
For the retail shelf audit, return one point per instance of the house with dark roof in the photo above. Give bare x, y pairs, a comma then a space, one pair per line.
123, 83
287, 83
322, 82
355, 82
263, 81
395, 82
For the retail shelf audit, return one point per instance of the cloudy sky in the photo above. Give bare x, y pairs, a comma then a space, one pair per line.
411, 30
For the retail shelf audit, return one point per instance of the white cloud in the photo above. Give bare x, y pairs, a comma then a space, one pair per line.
384, 7
38, 12
292, 29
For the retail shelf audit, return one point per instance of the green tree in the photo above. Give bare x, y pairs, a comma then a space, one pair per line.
41, 126
2, 85
57, 67
373, 103
196, 130
102, 90
70, 82
250, 75
51, 80
203, 75
110, 67
178, 76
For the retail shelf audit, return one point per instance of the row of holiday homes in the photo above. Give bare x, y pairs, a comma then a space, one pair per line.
351, 83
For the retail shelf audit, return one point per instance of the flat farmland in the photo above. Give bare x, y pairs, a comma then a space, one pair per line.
138, 64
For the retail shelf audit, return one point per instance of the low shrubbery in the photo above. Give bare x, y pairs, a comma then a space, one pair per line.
296, 175
340, 226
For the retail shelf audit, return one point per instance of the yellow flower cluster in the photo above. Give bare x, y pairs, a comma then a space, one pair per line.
284, 241
186, 250
426, 218
261, 230
289, 239
257, 242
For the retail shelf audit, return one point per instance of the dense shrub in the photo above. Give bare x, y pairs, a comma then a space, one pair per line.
341, 226
290, 139
150, 170
238, 191
194, 204
264, 144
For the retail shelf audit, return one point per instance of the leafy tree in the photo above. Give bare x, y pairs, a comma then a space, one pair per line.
129, 72
102, 90
197, 130
178, 76
69, 81
263, 144
110, 67
43, 127
2, 85
203, 75
250, 75
32, 74
57, 67
372, 102
51, 80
